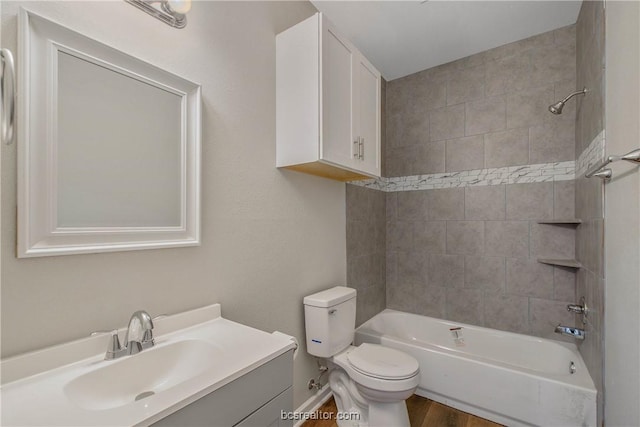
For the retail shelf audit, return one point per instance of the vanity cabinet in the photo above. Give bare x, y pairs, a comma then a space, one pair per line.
254, 399
328, 102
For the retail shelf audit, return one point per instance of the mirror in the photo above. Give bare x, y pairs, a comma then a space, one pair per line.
110, 160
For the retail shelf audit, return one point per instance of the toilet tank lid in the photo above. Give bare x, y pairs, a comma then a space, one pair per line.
330, 297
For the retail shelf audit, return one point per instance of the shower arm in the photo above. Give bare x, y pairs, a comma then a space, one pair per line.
578, 92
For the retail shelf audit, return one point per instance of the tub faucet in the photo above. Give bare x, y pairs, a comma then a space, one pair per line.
569, 331
139, 337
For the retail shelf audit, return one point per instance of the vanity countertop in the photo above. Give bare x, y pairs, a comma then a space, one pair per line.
45, 387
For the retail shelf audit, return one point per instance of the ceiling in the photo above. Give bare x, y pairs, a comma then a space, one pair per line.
403, 37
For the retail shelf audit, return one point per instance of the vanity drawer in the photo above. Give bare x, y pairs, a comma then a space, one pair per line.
238, 400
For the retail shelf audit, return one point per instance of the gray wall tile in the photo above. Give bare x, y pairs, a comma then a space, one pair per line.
446, 271
564, 284
564, 199
484, 272
508, 73
465, 237
408, 127
465, 305
430, 236
565, 35
485, 115
529, 107
399, 236
445, 204
528, 277
366, 246
447, 123
508, 148
360, 237
465, 85
391, 206
545, 315
431, 301
403, 296
552, 241
485, 203
507, 238
357, 202
465, 154
553, 141
412, 268
551, 62
412, 205
507, 313
430, 158
530, 201
391, 270
371, 301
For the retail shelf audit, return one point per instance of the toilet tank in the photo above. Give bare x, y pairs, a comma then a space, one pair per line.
330, 320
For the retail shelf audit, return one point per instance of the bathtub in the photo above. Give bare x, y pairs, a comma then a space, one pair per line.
512, 379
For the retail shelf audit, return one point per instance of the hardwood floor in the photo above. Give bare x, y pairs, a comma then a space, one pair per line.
422, 413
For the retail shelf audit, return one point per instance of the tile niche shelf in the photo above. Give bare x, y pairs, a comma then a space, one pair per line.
571, 263
569, 221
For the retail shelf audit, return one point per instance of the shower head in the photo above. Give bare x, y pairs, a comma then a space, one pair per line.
558, 106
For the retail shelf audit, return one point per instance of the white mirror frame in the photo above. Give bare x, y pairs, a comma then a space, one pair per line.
38, 233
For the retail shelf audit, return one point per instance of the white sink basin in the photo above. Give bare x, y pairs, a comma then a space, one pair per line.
133, 378
196, 353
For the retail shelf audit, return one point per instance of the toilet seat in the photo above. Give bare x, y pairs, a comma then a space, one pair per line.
382, 362
377, 382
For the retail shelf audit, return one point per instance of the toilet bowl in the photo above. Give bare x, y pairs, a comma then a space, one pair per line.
369, 382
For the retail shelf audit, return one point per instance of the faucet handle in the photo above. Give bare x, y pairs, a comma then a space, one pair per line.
147, 339
114, 343
114, 348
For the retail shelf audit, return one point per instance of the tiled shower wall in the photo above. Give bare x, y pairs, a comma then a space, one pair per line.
366, 246
590, 192
485, 111
470, 253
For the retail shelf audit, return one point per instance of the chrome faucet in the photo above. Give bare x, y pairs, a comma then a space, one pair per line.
139, 337
571, 332
139, 333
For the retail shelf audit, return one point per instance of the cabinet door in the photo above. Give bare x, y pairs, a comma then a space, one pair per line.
367, 112
337, 89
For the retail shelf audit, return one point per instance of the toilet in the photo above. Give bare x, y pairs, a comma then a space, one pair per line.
370, 383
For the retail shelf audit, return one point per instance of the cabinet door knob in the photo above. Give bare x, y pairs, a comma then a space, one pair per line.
361, 149
356, 150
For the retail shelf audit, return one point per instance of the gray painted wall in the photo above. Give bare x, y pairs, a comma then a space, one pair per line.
622, 223
269, 237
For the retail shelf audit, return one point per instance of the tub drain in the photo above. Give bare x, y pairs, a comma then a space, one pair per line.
144, 395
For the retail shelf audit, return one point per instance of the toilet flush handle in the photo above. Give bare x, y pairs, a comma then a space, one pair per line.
333, 311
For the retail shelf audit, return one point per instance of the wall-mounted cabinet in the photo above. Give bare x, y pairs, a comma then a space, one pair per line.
328, 100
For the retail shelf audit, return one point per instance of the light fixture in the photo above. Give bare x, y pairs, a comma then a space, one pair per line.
171, 12
558, 106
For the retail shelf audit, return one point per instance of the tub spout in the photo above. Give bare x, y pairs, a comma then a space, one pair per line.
569, 331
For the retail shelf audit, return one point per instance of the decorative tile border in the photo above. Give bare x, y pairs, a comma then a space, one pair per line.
544, 172
593, 154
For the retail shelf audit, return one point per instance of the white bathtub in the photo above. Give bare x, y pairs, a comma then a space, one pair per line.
512, 379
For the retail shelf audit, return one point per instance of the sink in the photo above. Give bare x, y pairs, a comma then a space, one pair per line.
134, 378
196, 353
